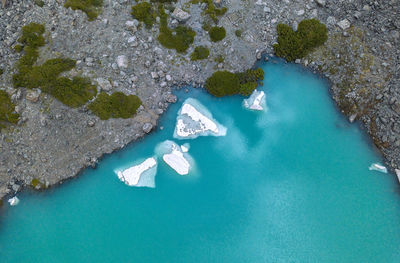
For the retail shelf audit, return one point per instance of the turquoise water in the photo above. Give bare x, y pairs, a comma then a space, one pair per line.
287, 185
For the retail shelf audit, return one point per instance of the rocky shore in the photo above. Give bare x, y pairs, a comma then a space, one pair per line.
53, 142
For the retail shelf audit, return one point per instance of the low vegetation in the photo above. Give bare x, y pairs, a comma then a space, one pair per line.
73, 92
225, 83
37, 184
179, 38
200, 52
92, 8
144, 12
7, 110
1, 71
212, 11
217, 33
117, 105
238, 33
294, 45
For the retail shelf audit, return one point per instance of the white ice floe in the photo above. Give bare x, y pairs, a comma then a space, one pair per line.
195, 120
398, 174
176, 157
13, 201
378, 167
185, 147
256, 101
140, 175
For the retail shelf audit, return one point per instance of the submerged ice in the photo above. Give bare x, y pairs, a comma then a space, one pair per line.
195, 120
256, 101
141, 175
378, 167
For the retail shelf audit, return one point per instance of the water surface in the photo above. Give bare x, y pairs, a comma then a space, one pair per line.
287, 185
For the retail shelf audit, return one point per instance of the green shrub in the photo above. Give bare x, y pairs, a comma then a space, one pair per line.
225, 83
18, 48
92, 8
238, 33
73, 93
39, 3
117, 105
144, 12
293, 45
200, 52
7, 110
1, 71
179, 39
217, 33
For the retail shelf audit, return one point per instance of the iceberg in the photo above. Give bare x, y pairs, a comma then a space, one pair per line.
141, 175
195, 120
256, 101
175, 157
378, 167
13, 201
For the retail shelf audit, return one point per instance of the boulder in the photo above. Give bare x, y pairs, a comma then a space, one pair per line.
344, 24
32, 95
147, 127
180, 15
104, 84
122, 61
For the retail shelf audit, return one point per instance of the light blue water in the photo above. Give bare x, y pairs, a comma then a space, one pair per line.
288, 185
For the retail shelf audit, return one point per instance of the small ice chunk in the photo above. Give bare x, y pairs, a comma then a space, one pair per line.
195, 120
185, 147
378, 167
175, 157
398, 174
13, 201
133, 175
256, 101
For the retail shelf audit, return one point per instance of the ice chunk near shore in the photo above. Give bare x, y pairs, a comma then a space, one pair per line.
398, 174
378, 167
256, 101
185, 147
195, 120
13, 201
141, 175
175, 156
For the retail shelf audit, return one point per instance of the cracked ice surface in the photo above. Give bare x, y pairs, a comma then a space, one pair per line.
195, 120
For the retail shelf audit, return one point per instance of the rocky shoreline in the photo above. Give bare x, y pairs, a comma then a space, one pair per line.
53, 142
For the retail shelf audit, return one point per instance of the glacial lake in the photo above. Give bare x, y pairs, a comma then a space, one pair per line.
290, 184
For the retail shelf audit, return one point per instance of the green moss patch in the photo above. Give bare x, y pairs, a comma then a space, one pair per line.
179, 38
1, 71
92, 8
7, 110
212, 11
238, 33
225, 83
117, 105
200, 52
217, 33
72, 92
297, 44
144, 12
37, 184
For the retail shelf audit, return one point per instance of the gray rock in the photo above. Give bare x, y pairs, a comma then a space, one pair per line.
321, 2
122, 61
104, 84
171, 98
147, 127
180, 15
32, 95
344, 24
